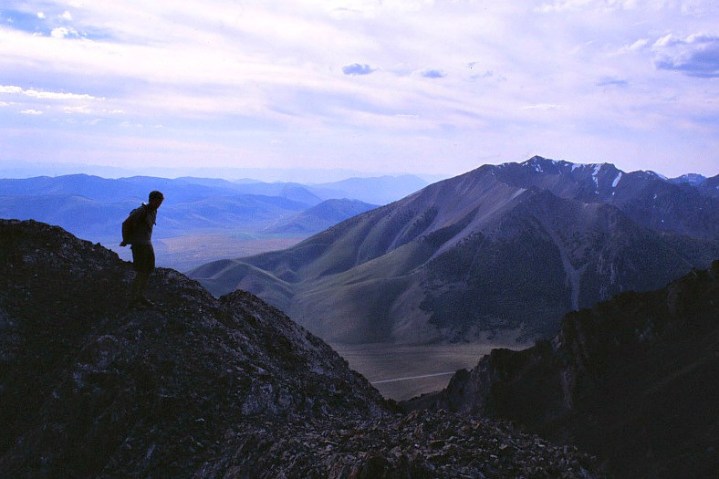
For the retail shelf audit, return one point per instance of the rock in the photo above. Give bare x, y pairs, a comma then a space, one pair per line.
632, 380
199, 387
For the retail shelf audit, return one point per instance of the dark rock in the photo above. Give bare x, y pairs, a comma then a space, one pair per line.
634, 380
203, 387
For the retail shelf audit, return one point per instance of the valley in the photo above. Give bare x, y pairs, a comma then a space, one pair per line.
193, 249
401, 372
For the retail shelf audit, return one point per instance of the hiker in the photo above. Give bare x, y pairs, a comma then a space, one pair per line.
137, 231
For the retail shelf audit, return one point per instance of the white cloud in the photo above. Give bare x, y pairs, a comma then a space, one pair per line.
31, 112
543, 107
564, 5
219, 68
579, 5
696, 55
45, 95
64, 32
10, 89
639, 44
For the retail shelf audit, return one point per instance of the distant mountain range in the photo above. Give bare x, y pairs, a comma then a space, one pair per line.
93, 207
634, 380
502, 248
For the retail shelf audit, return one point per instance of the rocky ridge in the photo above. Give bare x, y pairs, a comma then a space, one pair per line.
634, 380
204, 387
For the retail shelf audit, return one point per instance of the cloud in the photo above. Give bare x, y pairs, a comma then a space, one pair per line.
542, 107
578, 5
433, 74
611, 81
10, 89
31, 112
358, 69
64, 32
563, 5
44, 95
250, 74
696, 55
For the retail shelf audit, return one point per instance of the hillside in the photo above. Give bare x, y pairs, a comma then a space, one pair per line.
501, 249
320, 217
203, 387
634, 380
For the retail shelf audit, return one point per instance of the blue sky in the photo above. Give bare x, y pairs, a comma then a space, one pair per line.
372, 87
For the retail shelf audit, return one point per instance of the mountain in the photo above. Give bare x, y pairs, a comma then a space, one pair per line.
97, 219
320, 217
199, 387
93, 207
185, 189
646, 198
711, 186
506, 248
202, 219
692, 179
378, 190
633, 380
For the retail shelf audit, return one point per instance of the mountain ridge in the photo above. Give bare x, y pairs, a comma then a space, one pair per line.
202, 219
440, 264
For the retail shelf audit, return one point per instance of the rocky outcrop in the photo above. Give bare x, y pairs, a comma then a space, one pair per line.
634, 380
203, 387
419, 445
93, 388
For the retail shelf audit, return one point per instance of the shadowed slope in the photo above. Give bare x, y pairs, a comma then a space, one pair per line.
634, 380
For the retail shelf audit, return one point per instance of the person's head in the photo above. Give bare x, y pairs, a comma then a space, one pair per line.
156, 199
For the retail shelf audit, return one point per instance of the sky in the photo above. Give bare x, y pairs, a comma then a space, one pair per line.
433, 88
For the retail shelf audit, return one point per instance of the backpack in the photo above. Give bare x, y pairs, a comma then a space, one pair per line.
129, 226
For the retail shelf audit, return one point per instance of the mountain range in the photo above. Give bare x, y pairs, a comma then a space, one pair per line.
201, 217
634, 380
501, 249
200, 387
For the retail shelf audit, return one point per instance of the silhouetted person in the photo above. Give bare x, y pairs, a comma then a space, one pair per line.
137, 231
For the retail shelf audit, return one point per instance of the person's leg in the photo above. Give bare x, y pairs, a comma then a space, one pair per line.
143, 257
139, 285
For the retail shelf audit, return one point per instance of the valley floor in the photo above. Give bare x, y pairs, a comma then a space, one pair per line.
184, 253
402, 372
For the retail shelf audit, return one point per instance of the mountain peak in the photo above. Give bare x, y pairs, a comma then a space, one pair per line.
546, 165
693, 179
